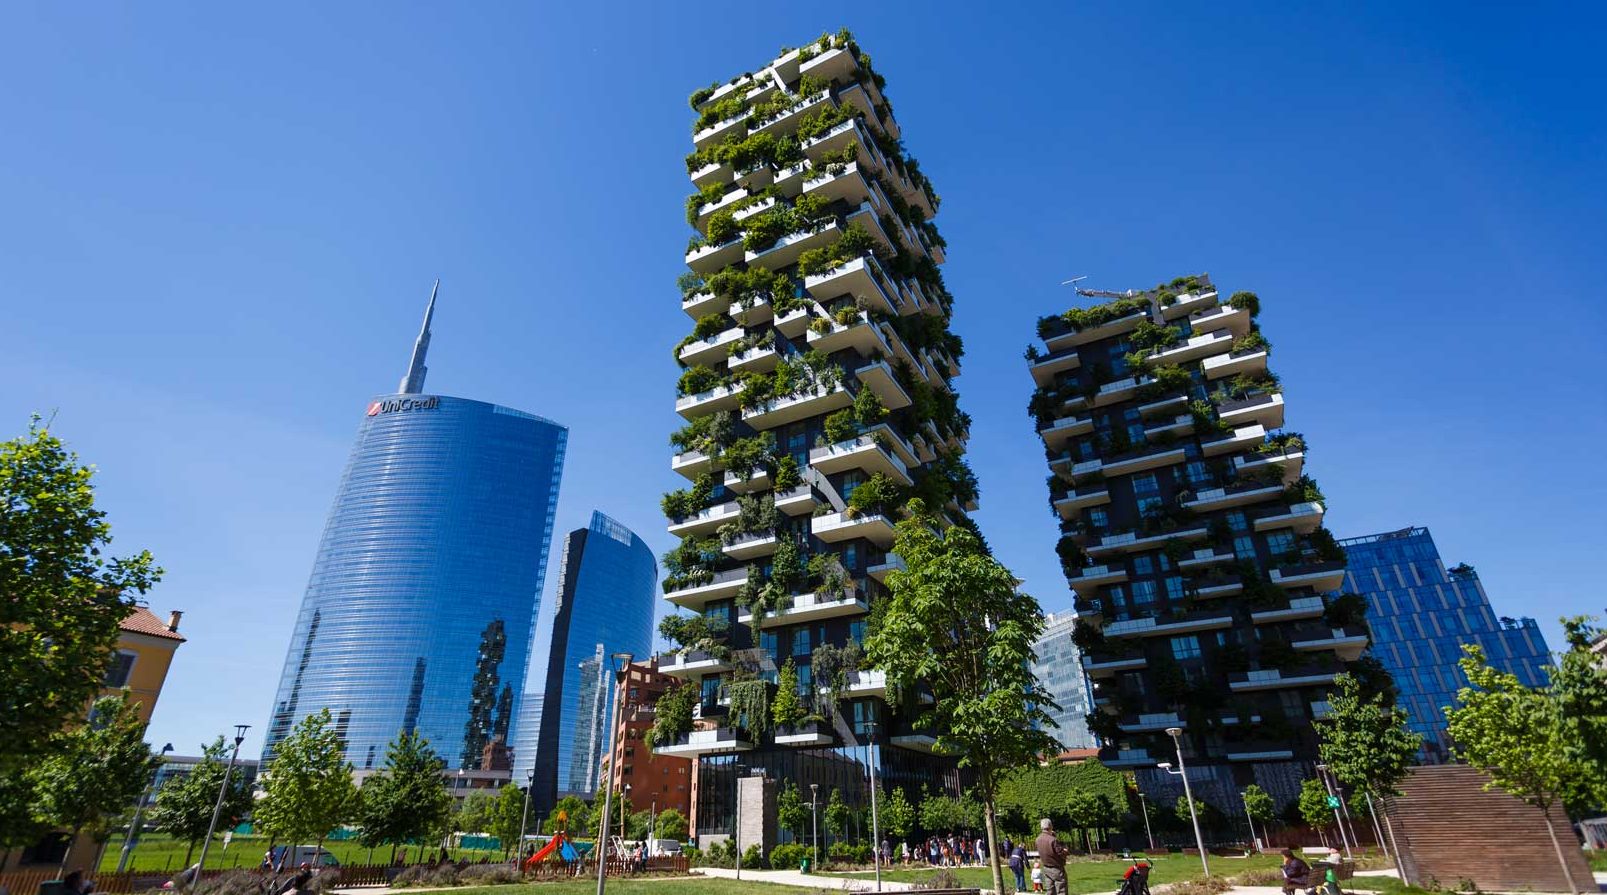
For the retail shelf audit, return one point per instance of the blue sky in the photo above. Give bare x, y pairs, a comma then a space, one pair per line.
220, 227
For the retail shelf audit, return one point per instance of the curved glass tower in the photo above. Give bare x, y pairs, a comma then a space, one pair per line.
422, 598
604, 605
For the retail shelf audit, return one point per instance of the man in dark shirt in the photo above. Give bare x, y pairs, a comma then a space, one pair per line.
1052, 856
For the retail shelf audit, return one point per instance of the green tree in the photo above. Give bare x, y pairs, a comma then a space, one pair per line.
474, 814
838, 814
1313, 806
639, 824
672, 824
19, 825
407, 800
576, 817
308, 789
1365, 740
506, 818
184, 805
64, 598
786, 709
1525, 739
1084, 810
791, 812
95, 770
897, 813
956, 624
1259, 807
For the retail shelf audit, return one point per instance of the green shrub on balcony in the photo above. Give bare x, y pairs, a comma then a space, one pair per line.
672, 714
1206, 422
1304, 490
840, 426
750, 704
1323, 544
678, 505
1345, 610
694, 633
697, 379
746, 455
872, 495
1080, 319
1167, 379
1245, 301
701, 95
1282, 443
1246, 385
708, 195
868, 409
722, 227
854, 241
823, 119
690, 283
787, 476
728, 107
787, 710
1251, 341
1151, 337
1087, 637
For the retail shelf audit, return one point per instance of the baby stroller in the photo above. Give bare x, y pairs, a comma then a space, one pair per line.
1135, 881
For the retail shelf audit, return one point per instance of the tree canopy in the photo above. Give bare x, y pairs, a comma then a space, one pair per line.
184, 804
407, 800
94, 770
1365, 739
307, 789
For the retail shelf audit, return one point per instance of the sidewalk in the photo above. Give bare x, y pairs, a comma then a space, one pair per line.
809, 880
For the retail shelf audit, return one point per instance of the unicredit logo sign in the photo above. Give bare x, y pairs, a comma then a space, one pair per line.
402, 405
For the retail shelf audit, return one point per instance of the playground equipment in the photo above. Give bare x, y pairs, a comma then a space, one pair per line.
559, 845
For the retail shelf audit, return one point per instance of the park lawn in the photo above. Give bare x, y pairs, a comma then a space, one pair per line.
1092, 876
701, 885
1598, 859
156, 851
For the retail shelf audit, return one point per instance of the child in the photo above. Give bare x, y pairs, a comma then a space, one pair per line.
1037, 876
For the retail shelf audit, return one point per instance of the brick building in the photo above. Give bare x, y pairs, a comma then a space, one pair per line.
664, 780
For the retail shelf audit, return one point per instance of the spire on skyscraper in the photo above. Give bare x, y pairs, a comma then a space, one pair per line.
413, 382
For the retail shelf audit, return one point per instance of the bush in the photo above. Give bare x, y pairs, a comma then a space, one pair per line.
1212, 886
410, 876
788, 857
489, 875
753, 858
941, 879
1261, 877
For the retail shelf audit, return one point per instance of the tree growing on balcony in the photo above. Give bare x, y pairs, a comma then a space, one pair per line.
956, 624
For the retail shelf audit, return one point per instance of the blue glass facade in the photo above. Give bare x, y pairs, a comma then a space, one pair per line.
1421, 614
1059, 667
422, 600
604, 605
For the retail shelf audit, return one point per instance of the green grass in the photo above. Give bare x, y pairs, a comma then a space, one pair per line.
1087, 877
698, 886
1598, 859
158, 852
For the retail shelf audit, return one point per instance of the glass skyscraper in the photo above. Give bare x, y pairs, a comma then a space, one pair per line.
604, 605
420, 607
1421, 613
1059, 667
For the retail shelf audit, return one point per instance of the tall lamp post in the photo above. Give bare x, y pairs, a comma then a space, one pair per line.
1176, 733
814, 822
1143, 807
875, 824
524, 818
1322, 771
139, 808
624, 807
622, 661
228, 771
1251, 821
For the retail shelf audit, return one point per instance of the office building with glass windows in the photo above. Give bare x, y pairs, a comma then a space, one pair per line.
1421, 614
420, 607
817, 390
1193, 538
603, 605
1059, 666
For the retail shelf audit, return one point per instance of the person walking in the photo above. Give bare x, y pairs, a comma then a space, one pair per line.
1018, 866
1052, 855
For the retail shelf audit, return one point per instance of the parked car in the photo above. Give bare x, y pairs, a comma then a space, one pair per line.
663, 847
305, 854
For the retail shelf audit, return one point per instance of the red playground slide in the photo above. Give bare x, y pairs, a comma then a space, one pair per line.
556, 843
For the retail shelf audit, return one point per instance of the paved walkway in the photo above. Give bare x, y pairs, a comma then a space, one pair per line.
808, 880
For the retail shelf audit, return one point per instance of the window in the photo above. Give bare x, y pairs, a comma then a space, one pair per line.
1237, 522
767, 642
1118, 596
1098, 520
1148, 504
856, 631
1145, 485
806, 679
1174, 587
1280, 543
800, 642
851, 481
1293, 705
850, 557
1244, 547
1143, 565
710, 691
1186, 647
1135, 429
1144, 595
121, 668
1198, 473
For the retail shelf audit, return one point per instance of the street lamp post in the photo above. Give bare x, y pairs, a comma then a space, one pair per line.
139, 808
1322, 772
1176, 734
1251, 821
653, 834
814, 823
622, 662
228, 770
1144, 808
875, 823
524, 818
624, 809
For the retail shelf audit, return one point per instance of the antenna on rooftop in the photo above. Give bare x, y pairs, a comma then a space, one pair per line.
1074, 280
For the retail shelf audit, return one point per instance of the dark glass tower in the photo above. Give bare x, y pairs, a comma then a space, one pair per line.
420, 607
604, 605
1422, 613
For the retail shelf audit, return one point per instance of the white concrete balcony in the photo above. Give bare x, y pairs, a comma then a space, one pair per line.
722, 397
1174, 426
1321, 577
1298, 608
1064, 429
719, 130
1277, 680
1217, 587
870, 219
787, 119
892, 439
1224, 498
879, 378
751, 546
1221, 317
836, 64
835, 528
863, 683
1095, 333
880, 571
711, 351
1129, 758
1189, 303
1172, 404
1291, 463
744, 83
1112, 667
1233, 364
800, 501
707, 742
1151, 721
1195, 347
714, 172
915, 742
691, 464
759, 358
1302, 517
1264, 410
755, 313
722, 586
1118, 391
1204, 557
710, 259
689, 664
1154, 459
810, 608
705, 522
849, 186
1093, 576
862, 335
1078, 499
790, 410
1239, 439
837, 139
1130, 542
862, 453
1152, 627
1255, 753
861, 279
787, 249
1043, 369
1347, 644
790, 180
812, 734
702, 304
707, 210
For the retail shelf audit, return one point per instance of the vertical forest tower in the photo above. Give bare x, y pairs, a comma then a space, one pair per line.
818, 399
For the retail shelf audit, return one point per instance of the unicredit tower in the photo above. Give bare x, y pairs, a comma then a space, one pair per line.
419, 611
